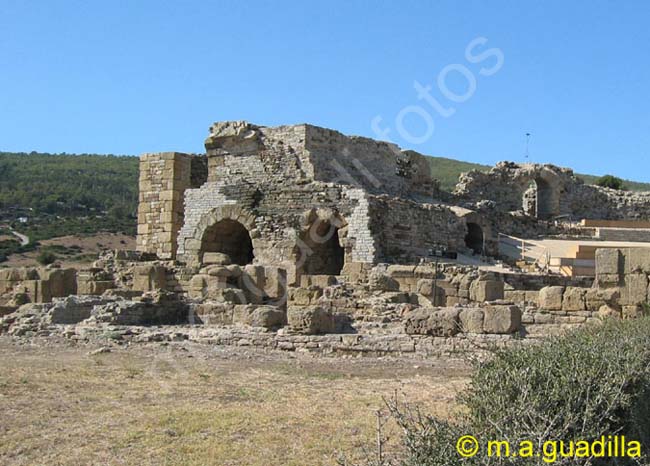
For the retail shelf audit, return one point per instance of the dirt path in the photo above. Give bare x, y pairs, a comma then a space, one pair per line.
187, 404
24, 240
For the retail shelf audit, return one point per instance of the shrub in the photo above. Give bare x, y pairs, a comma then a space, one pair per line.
580, 386
610, 181
46, 257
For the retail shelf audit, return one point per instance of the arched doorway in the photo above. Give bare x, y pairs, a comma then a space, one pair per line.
229, 237
319, 251
544, 199
539, 200
474, 239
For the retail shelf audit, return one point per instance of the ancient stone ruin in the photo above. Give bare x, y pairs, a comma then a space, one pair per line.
302, 238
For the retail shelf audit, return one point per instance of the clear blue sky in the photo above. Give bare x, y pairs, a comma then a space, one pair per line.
136, 76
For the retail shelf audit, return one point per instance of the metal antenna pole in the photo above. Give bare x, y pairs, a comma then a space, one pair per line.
527, 154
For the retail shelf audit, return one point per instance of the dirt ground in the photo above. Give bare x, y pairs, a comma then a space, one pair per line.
89, 246
191, 404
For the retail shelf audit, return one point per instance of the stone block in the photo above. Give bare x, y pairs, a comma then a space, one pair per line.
259, 316
501, 319
604, 280
149, 277
471, 320
380, 281
597, 297
455, 300
216, 258
356, 271
226, 295
637, 260
198, 284
304, 296
516, 296
268, 317
489, 290
275, 282
532, 297
550, 298
432, 291
633, 312
221, 271
252, 282
574, 299
37, 290
63, 282
608, 261
442, 322
321, 281
635, 289
310, 320
73, 309
210, 313
609, 312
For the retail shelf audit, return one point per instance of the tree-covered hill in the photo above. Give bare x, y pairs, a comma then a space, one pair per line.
46, 195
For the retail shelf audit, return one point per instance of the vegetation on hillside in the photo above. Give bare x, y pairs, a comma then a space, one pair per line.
612, 182
448, 170
48, 195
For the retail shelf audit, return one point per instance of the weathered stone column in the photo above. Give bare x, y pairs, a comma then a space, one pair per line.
164, 177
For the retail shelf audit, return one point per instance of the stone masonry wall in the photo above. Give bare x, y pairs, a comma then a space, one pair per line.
304, 153
275, 181
164, 177
626, 272
405, 230
559, 193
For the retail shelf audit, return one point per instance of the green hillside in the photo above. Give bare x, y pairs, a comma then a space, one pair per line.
448, 170
48, 195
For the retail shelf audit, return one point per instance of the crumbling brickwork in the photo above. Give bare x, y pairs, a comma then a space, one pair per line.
282, 186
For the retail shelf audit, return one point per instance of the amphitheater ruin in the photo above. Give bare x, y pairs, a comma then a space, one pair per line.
300, 238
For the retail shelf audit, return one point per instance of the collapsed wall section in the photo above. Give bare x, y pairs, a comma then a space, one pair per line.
546, 191
375, 166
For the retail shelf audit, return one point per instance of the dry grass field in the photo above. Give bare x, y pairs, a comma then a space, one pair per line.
88, 246
187, 404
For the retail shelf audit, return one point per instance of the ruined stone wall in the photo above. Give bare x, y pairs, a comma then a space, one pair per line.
406, 231
625, 271
164, 177
274, 180
304, 153
275, 217
547, 191
375, 166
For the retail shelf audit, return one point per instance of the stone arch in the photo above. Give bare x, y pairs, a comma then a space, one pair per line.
321, 244
474, 239
541, 199
229, 237
231, 218
544, 204
480, 236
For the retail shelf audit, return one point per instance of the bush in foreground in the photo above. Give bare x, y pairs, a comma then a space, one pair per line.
591, 383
